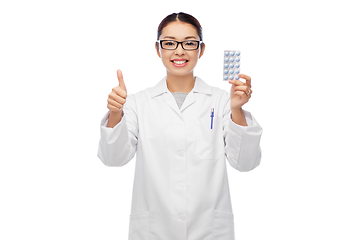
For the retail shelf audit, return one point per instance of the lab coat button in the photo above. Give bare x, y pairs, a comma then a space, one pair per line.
181, 154
181, 185
181, 217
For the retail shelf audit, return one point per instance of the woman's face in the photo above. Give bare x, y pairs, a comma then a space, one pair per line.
179, 62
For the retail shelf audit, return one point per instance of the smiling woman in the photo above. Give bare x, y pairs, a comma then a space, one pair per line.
182, 130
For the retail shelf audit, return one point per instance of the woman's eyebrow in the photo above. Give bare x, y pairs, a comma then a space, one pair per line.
175, 38
169, 37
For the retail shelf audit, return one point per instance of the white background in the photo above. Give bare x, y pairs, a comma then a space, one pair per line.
58, 62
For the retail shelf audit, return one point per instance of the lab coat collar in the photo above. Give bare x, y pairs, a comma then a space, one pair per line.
199, 87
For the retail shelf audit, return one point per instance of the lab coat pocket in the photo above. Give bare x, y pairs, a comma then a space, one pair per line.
139, 226
209, 143
223, 226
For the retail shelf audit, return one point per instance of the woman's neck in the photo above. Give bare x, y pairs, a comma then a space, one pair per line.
180, 83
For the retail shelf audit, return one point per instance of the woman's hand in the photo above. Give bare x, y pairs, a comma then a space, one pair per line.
116, 101
117, 97
240, 92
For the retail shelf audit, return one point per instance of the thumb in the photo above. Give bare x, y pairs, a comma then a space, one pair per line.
121, 79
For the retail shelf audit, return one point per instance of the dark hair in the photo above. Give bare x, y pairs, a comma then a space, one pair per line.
182, 17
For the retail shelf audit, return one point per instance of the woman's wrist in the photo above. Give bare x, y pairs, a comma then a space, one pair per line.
238, 116
114, 118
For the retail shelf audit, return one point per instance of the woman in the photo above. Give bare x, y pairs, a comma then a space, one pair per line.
181, 130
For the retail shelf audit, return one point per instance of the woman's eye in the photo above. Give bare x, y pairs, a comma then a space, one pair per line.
190, 43
169, 43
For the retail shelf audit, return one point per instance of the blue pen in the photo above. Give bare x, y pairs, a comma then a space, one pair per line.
212, 117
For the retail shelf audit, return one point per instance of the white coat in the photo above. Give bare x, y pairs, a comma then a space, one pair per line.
181, 189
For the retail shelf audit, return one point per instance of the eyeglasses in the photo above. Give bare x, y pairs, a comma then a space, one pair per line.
189, 45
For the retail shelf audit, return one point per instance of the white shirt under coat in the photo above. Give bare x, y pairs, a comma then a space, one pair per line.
181, 189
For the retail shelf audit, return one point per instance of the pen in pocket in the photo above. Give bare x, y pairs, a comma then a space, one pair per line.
212, 118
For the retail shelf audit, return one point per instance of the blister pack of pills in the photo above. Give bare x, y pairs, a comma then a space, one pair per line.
231, 64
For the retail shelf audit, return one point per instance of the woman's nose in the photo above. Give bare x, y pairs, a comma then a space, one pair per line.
179, 51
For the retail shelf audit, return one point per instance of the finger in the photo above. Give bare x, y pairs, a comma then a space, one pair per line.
121, 79
247, 78
113, 108
120, 92
242, 94
236, 82
117, 98
242, 88
245, 89
114, 103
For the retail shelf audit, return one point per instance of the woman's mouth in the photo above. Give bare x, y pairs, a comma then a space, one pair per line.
179, 62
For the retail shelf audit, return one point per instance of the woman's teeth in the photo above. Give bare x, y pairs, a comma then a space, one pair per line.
179, 62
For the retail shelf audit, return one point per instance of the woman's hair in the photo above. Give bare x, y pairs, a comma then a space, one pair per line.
182, 17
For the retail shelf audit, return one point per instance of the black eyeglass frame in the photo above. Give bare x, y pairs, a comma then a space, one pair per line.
177, 44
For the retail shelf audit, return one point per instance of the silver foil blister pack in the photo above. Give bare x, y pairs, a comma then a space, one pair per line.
231, 64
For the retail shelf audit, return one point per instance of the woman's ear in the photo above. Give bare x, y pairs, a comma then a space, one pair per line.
157, 49
202, 49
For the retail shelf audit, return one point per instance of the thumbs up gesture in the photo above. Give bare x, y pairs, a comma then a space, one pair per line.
117, 97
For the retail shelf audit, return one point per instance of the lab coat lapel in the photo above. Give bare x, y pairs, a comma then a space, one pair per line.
199, 87
170, 101
190, 99
161, 90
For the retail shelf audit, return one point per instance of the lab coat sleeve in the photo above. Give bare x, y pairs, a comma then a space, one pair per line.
117, 146
242, 143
